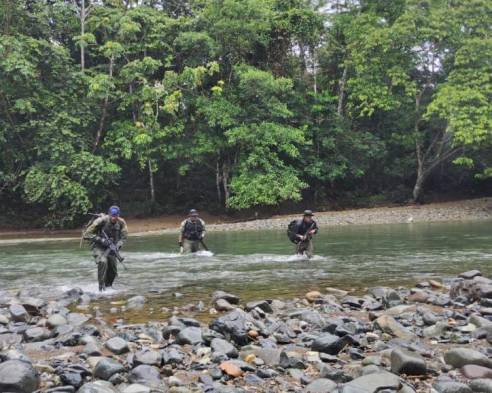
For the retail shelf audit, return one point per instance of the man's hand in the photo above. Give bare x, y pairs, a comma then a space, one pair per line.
180, 243
202, 236
119, 244
312, 231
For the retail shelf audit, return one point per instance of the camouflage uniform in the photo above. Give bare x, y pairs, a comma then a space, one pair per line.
306, 246
107, 265
190, 234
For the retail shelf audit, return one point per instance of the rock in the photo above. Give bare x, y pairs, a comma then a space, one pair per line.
97, 387
145, 375
135, 303
389, 325
222, 346
406, 362
136, 388
372, 383
419, 297
451, 387
36, 334
334, 374
329, 343
56, 320
230, 298
92, 349
4, 320
472, 371
117, 345
336, 292
223, 305
18, 313
291, 359
9, 339
262, 305
234, 326
481, 385
106, 368
459, 357
172, 355
33, 305
76, 319
436, 284
271, 356
470, 274
313, 296
320, 385
147, 356
71, 378
191, 335
231, 369
18, 376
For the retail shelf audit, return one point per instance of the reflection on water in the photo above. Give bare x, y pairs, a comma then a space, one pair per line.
259, 264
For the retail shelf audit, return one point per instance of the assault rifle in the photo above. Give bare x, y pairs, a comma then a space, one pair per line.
112, 249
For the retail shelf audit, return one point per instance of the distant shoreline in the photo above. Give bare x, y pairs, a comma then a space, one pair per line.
464, 210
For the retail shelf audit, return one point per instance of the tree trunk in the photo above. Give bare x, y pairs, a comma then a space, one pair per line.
151, 183
421, 175
82, 32
104, 110
225, 183
218, 180
341, 91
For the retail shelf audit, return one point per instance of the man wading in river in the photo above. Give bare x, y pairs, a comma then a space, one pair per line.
301, 233
191, 233
105, 231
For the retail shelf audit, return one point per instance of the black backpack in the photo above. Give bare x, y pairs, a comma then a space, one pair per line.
292, 231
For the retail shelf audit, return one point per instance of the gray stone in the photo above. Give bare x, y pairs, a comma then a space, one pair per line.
172, 355
97, 387
4, 320
222, 346
18, 376
234, 326
470, 274
482, 385
372, 383
406, 362
223, 305
18, 313
136, 388
451, 387
388, 324
262, 304
36, 334
117, 345
135, 303
329, 343
191, 335
320, 385
145, 375
92, 349
76, 319
106, 368
56, 320
147, 356
232, 299
459, 357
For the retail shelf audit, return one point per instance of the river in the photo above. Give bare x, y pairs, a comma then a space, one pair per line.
258, 264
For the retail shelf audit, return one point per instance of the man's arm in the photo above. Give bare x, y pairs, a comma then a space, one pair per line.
314, 229
91, 232
181, 231
123, 233
204, 230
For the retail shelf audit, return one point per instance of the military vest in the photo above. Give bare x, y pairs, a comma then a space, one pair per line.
193, 230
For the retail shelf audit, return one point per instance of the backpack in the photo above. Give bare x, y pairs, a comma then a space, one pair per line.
292, 231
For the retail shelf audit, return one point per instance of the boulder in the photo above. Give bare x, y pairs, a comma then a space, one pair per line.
262, 305
481, 385
472, 371
97, 387
147, 356
18, 313
330, 344
459, 357
56, 320
172, 355
117, 345
145, 375
320, 385
135, 303
223, 305
372, 383
451, 387
36, 334
230, 298
470, 274
222, 346
136, 388
191, 335
234, 326
389, 325
406, 362
18, 376
106, 368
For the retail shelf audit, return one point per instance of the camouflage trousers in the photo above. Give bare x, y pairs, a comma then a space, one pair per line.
107, 268
190, 246
305, 248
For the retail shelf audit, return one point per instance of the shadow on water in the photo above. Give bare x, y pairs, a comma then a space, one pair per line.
257, 264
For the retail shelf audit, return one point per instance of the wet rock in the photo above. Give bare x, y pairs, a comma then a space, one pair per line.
106, 368
97, 387
451, 387
18, 313
470, 274
330, 344
262, 305
18, 376
320, 385
473, 371
230, 298
459, 357
36, 334
147, 356
56, 320
372, 383
481, 385
223, 305
234, 326
389, 325
406, 362
135, 303
136, 388
145, 375
191, 335
231, 369
222, 346
117, 345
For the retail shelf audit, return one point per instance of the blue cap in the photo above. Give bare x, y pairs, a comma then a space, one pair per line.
114, 211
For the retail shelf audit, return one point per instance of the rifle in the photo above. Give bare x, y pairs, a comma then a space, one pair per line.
203, 244
307, 235
112, 249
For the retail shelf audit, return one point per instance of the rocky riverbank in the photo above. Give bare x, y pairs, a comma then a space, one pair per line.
434, 337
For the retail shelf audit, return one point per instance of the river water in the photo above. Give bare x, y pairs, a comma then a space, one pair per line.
258, 264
